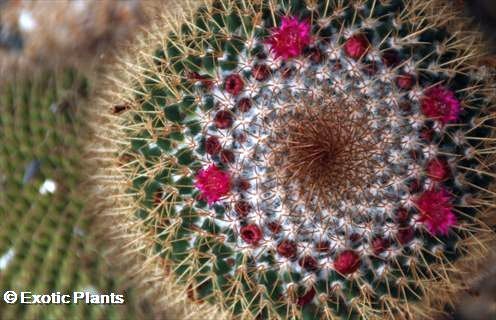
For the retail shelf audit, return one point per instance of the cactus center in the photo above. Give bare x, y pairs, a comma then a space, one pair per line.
326, 149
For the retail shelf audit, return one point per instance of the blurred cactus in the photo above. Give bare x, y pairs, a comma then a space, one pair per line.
303, 159
46, 244
63, 31
484, 14
479, 302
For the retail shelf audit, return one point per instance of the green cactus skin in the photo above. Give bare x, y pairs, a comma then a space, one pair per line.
46, 244
230, 217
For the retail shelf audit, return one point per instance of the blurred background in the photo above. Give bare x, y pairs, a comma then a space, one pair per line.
52, 56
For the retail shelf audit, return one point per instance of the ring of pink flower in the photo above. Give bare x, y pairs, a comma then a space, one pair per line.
287, 44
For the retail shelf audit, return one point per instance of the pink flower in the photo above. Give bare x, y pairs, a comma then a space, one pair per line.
251, 234
223, 119
347, 262
405, 81
405, 235
441, 104
309, 263
234, 84
356, 46
287, 248
306, 298
213, 183
290, 38
438, 170
436, 211
379, 245
212, 145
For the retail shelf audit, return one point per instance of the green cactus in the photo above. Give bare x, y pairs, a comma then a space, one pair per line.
299, 159
46, 244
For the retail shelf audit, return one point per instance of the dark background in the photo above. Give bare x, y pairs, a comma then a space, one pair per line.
484, 12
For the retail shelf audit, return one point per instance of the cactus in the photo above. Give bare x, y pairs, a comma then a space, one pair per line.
63, 32
299, 159
46, 244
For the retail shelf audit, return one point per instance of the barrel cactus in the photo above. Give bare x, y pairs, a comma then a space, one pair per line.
46, 243
290, 159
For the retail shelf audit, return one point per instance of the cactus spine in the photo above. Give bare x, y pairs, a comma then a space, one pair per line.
303, 159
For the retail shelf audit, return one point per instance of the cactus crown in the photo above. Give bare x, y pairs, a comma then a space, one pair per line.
314, 159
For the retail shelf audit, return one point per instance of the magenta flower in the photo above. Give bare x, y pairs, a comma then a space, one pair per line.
234, 84
213, 183
438, 170
436, 211
347, 262
212, 145
405, 81
441, 104
356, 46
290, 38
306, 298
287, 248
251, 234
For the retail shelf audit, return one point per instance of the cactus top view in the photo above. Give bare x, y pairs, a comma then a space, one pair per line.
286, 159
